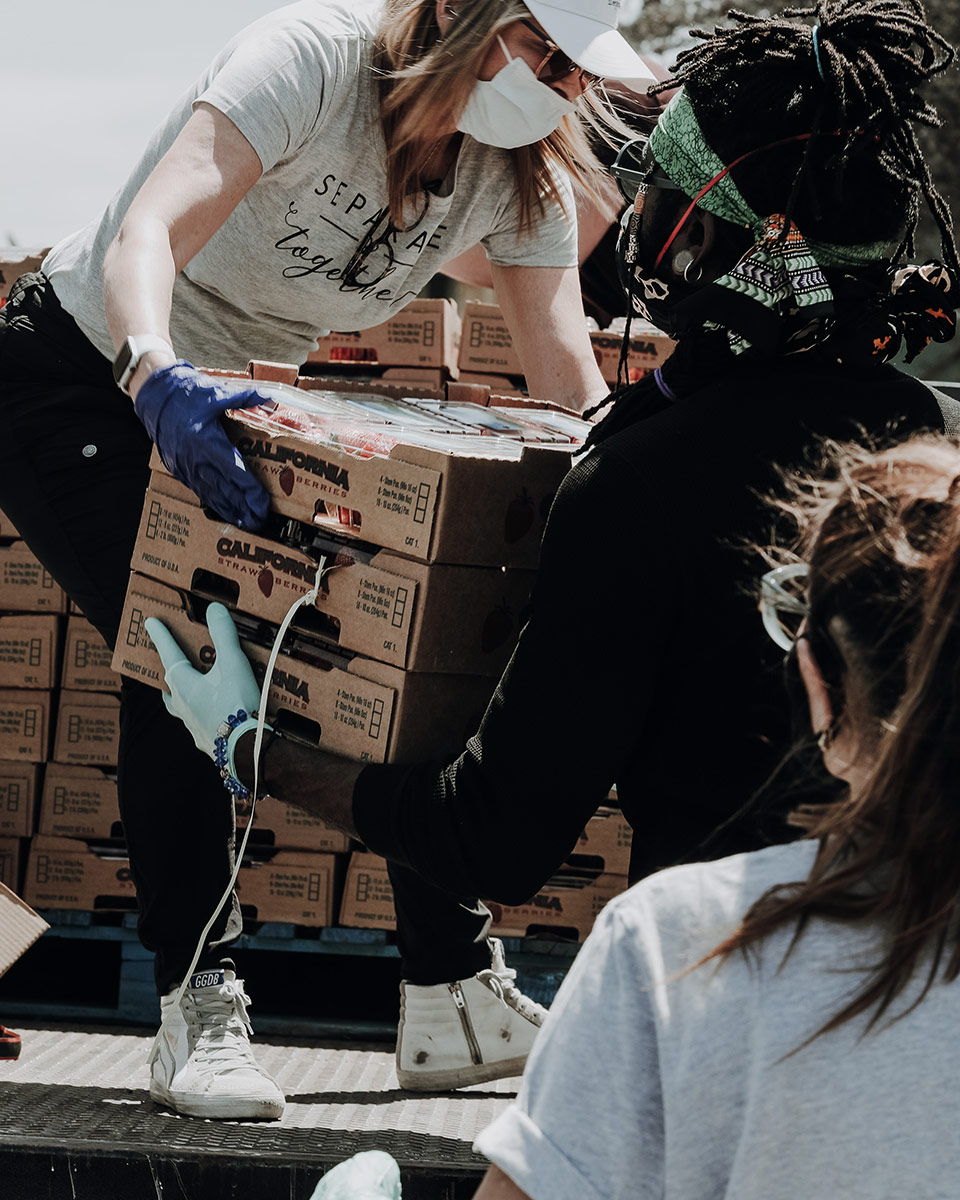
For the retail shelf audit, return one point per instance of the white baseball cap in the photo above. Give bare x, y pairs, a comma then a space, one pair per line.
586, 31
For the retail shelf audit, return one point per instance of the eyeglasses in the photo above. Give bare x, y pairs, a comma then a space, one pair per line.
635, 169
556, 65
783, 605
374, 239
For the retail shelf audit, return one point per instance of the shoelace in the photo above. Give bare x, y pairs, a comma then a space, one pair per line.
222, 1026
500, 981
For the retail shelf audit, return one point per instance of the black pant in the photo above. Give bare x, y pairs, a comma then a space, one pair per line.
73, 471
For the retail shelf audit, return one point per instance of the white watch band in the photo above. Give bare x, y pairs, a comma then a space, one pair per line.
132, 351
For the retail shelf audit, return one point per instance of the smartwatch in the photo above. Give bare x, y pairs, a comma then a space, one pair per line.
130, 354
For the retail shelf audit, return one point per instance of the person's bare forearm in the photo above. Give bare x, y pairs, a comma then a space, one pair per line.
138, 277
319, 783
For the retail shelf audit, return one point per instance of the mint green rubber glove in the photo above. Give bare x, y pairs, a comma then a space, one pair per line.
372, 1175
205, 701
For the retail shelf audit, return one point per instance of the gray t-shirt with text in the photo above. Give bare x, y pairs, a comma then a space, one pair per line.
648, 1083
299, 85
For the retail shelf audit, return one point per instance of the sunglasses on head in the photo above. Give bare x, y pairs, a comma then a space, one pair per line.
556, 66
635, 169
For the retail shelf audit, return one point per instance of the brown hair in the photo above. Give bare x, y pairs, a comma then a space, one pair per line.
882, 538
426, 81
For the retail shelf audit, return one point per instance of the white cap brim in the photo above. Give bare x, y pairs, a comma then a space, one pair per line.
592, 44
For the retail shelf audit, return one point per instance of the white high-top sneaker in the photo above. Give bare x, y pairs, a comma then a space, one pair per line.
202, 1064
469, 1031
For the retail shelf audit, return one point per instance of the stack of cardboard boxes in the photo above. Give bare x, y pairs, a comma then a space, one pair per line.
565, 907
419, 345
488, 356
59, 725
429, 557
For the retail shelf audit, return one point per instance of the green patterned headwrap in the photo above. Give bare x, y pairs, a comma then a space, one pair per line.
782, 267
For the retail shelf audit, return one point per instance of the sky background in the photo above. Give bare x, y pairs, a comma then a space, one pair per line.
84, 84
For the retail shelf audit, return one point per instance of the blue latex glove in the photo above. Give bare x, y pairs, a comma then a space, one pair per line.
180, 408
204, 700
372, 1175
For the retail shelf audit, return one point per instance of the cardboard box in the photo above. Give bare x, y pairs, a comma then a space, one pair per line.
88, 729
16, 261
500, 385
564, 911
25, 722
449, 619
367, 895
19, 789
66, 873
29, 650
10, 862
363, 709
79, 802
605, 843
87, 659
487, 346
8, 531
20, 927
289, 886
26, 586
431, 505
567, 910
287, 827
424, 334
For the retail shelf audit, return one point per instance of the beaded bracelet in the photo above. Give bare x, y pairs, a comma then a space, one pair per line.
228, 734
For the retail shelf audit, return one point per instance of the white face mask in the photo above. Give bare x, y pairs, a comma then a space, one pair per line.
513, 108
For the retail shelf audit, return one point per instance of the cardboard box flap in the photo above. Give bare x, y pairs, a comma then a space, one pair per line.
20, 927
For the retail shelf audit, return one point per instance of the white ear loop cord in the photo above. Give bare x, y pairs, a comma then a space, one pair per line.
309, 598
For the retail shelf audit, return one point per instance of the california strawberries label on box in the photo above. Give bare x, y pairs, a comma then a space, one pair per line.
451, 619
436, 496
317, 702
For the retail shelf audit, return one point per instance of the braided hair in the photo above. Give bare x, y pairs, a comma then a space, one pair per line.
763, 79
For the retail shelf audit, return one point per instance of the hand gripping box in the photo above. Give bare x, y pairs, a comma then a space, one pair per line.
67, 873
19, 791
25, 585
433, 505
87, 659
349, 705
79, 802
29, 650
25, 722
449, 619
88, 729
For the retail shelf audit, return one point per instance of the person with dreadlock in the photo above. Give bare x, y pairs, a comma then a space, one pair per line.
776, 200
